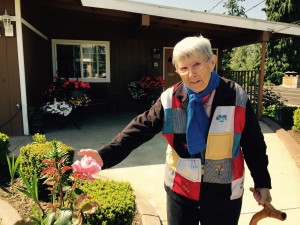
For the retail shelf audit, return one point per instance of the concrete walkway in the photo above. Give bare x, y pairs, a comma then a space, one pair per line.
144, 168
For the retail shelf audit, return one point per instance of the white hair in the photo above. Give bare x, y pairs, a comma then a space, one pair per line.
192, 46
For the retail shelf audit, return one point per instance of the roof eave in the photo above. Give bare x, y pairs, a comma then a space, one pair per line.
196, 16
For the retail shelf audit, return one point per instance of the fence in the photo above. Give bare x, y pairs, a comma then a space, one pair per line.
248, 80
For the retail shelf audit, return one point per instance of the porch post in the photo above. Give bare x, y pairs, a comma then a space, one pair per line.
19, 35
265, 38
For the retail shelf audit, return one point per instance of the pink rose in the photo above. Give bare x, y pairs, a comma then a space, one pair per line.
87, 166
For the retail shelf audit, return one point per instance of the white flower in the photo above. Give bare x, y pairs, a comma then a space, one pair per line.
61, 108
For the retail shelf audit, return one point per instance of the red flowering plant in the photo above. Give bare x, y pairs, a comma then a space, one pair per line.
72, 85
147, 88
62, 97
68, 203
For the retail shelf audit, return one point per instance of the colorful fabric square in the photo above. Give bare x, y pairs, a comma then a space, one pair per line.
168, 121
223, 120
189, 169
169, 176
169, 138
241, 96
171, 157
239, 119
186, 187
218, 171
238, 166
179, 115
176, 103
219, 146
237, 188
166, 98
236, 145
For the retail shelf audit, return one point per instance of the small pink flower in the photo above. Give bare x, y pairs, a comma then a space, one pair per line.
87, 166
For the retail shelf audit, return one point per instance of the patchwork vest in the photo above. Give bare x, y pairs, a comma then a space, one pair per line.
224, 162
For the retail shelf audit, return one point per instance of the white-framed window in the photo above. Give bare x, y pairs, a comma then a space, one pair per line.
80, 59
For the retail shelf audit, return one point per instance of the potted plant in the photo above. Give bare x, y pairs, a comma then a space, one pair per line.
61, 97
146, 90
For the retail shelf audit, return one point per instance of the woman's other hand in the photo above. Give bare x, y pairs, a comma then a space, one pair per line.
261, 195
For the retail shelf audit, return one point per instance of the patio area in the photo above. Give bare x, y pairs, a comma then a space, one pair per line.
93, 130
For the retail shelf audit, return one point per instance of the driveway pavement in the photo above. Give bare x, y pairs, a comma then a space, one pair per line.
144, 167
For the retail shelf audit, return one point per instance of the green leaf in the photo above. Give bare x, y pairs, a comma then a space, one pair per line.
64, 217
31, 191
35, 187
26, 182
78, 191
50, 218
79, 200
36, 220
24, 191
12, 167
51, 181
9, 164
36, 216
90, 207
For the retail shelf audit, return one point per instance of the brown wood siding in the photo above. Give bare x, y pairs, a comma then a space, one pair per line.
128, 55
38, 65
9, 79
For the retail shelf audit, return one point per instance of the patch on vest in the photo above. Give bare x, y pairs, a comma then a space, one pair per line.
218, 171
221, 118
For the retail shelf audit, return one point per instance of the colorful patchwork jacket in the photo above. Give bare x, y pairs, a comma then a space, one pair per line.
234, 136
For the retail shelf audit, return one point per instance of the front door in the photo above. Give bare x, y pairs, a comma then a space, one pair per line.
170, 76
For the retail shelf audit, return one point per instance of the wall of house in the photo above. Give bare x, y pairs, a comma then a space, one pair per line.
10, 116
38, 65
129, 56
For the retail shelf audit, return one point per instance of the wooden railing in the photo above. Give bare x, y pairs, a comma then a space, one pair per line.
248, 80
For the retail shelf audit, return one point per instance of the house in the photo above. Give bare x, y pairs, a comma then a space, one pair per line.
108, 43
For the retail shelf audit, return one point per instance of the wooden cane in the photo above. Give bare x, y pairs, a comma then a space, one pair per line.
268, 211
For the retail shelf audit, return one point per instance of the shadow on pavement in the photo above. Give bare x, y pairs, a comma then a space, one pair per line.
97, 129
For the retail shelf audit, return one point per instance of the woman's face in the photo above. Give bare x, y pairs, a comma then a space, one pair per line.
195, 71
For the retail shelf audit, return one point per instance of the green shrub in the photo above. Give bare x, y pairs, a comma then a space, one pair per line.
270, 111
296, 118
272, 98
116, 199
4, 144
39, 138
272, 103
32, 155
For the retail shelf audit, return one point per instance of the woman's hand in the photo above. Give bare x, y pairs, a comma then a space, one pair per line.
261, 195
91, 153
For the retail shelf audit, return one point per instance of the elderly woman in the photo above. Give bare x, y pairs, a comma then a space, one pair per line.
211, 129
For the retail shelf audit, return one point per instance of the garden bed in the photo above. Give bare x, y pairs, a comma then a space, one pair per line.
23, 204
